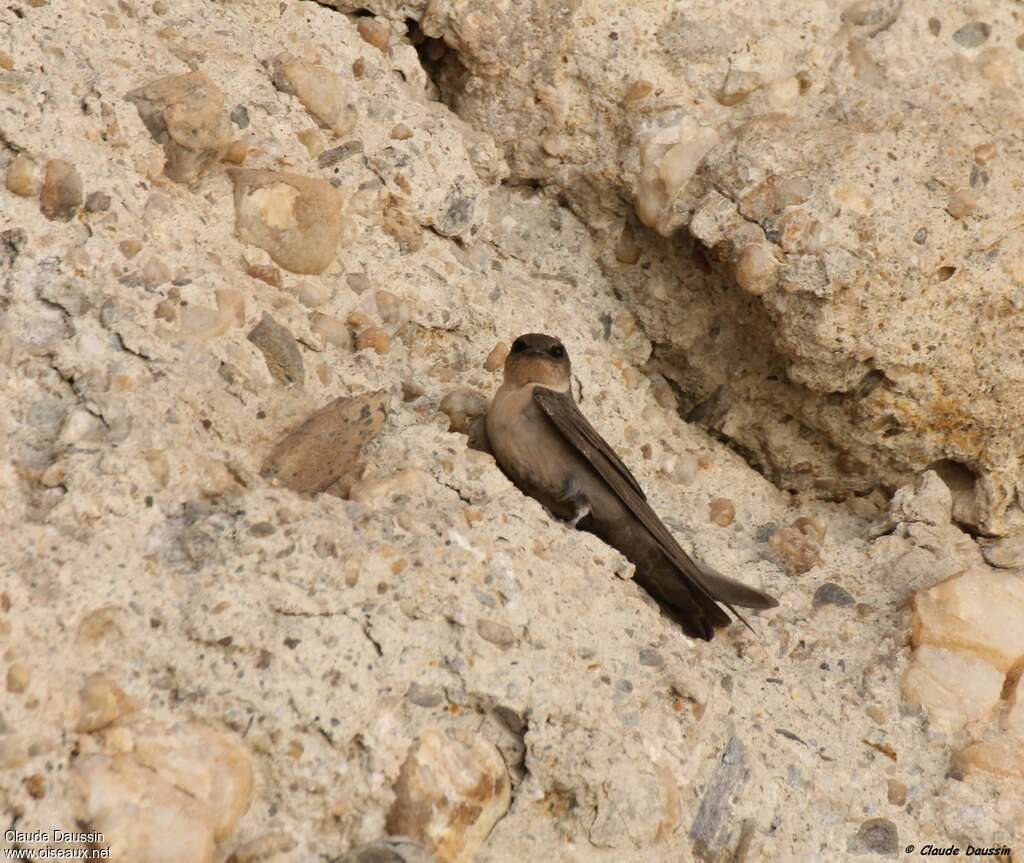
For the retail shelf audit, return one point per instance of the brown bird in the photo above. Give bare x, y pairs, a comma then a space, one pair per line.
545, 445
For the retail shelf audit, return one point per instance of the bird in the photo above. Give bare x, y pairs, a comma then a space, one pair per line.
544, 444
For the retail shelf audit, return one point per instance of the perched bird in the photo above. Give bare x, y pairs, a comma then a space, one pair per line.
545, 445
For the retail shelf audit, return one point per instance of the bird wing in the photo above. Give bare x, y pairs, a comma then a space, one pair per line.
561, 409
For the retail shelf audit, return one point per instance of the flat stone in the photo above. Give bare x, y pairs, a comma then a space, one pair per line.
280, 350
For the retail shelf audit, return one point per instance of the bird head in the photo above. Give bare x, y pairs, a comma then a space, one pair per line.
538, 359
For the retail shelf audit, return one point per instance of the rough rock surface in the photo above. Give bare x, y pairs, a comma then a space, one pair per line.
171, 618
845, 180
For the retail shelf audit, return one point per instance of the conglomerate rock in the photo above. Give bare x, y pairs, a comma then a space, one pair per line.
196, 652
851, 173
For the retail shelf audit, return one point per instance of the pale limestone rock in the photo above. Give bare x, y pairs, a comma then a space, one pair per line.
185, 114
297, 220
164, 793
321, 91
450, 793
463, 406
954, 687
22, 177
103, 702
980, 613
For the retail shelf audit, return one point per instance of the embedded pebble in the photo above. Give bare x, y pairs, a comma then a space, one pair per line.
392, 850
373, 338
280, 351
423, 697
451, 791
757, 271
312, 294
155, 273
373, 33
400, 132
332, 331
721, 511
876, 836
639, 89
296, 220
265, 273
831, 594
496, 633
61, 193
973, 34
389, 307
627, 250
102, 702
97, 202
794, 550
326, 449
651, 658
185, 114
962, 204
462, 406
22, 177
18, 677
322, 93
358, 282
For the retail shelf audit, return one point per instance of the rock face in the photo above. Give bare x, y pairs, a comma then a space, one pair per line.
264, 596
876, 269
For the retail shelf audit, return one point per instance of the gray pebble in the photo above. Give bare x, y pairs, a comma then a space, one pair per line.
262, 528
496, 633
876, 836
280, 350
831, 594
97, 202
339, 154
921, 236
484, 597
973, 34
423, 697
651, 658
240, 117
391, 850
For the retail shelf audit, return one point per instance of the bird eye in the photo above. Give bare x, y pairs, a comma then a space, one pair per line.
557, 352
518, 346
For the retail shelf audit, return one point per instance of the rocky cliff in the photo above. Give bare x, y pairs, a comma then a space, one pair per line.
260, 263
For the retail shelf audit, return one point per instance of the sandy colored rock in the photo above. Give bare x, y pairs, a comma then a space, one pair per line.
462, 407
103, 702
321, 92
954, 687
721, 511
326, 448
450, 793
297, 220
795, 551
22, 177
164, 794
332, 331
61, 192
185, 114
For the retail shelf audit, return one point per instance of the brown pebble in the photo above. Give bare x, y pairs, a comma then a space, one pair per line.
962, 204
401, 132
359, 68
358, 282
462, 406
5, 61
496, 358
22, 177
357, 319
97, 202
155, 273
265, 273
374, 33
794, 550
375, 338
389, 306
129, 248
984, 153
722, 511
638, 90
627, 250
236, 153
102, 703
18, 676
810, 526
166, 310
897, 793
35, 785
61, 195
